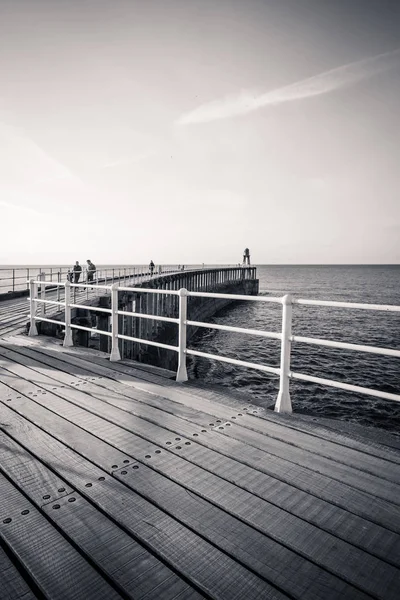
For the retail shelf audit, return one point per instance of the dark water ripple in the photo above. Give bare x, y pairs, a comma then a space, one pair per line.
378, 285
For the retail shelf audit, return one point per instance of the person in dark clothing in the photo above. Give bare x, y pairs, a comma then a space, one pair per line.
91, 270
151, 267
77, 270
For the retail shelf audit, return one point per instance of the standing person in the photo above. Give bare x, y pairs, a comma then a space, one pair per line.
77, 270
151, 268
91, 270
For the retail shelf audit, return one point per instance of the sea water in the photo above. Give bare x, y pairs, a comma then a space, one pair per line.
365, 284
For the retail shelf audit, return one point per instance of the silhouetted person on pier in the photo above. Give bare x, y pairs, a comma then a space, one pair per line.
77, 270
91, 270
246, 257
151, 268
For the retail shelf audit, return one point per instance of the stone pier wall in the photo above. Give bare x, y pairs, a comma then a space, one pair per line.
223, 281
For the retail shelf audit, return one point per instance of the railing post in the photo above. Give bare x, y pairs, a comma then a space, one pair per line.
283, 402
68, 331
32, 293
115, 354
13, 280
58, 287
181, 374
43, 293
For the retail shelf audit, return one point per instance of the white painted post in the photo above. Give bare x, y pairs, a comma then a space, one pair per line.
32, 293
283, 402
181, 374
58, 287
115, 354
68, 331
42, 294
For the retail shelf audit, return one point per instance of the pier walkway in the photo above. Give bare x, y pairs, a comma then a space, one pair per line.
118, 482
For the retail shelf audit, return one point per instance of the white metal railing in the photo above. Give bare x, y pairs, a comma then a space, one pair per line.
283, 402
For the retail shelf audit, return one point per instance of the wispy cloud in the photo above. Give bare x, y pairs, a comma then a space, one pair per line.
18, 208
126, 160
317, 85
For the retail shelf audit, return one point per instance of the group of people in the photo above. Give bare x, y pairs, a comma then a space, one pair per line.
75, 274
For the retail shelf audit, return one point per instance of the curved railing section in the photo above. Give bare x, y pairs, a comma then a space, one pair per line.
284, 372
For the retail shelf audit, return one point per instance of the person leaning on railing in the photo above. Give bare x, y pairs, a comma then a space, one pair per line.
91, 270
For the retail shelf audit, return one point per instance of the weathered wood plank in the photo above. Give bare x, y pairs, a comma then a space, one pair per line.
136, 572
278, 564
347, 474
276, 425
13, 585
331, 553
239, 540
56, 567
359, 503
206, 567
99, 377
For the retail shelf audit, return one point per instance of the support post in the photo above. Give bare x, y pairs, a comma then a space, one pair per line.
181, 374
32, 293
283, 402
68, 331
58, 287
43, 293
115, 354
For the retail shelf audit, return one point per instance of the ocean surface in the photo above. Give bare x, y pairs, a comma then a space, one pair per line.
367, 284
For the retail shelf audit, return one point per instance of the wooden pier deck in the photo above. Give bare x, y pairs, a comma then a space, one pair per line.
14, 313
117, 482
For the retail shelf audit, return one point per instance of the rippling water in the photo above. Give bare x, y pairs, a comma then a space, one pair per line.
368, 284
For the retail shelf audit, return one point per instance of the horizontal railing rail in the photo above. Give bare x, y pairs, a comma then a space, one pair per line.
284, 372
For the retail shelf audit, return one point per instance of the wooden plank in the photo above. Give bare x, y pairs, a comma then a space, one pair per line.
206, 567
236, 538
240, 541
329, 552
343, 524
100, 377
351, 528
136, 572
13, 585
44, 486
241, 402
359, 476
339, 494
55, 566
359, 503
310, 458
268, 425
278, 564
327, 429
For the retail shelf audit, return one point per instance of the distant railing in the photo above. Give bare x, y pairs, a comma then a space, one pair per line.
17, 279
283, 402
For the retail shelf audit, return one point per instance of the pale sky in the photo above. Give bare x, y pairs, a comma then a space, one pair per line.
185, 130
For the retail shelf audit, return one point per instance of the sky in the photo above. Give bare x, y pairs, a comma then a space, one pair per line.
185, 130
